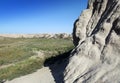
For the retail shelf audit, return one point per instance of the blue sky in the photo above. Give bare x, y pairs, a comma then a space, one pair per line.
39, 16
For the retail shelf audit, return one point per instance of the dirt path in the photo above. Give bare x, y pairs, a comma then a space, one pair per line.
41, 76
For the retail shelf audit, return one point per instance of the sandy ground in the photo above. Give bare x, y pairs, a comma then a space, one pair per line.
41, 76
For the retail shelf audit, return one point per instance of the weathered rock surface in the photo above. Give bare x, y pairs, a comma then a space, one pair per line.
96, 35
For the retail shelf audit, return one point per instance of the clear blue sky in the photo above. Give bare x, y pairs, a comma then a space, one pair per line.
39, 16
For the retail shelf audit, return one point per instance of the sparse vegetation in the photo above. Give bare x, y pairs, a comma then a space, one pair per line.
18, 55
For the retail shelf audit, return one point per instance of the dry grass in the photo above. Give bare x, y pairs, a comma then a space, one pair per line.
18, 51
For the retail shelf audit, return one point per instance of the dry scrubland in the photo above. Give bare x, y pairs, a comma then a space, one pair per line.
21, 56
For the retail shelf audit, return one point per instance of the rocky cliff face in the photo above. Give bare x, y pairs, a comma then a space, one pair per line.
96, 35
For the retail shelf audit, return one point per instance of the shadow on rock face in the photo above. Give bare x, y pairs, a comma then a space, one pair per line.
57, 66
75, 38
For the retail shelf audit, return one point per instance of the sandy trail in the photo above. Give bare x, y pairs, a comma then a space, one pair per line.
41, 76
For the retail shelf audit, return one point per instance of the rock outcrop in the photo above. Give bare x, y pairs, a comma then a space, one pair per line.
96, 35
48, 36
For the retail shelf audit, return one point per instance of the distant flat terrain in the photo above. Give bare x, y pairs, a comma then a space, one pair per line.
60, 35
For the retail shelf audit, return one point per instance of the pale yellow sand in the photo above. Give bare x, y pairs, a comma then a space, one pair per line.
41, 76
